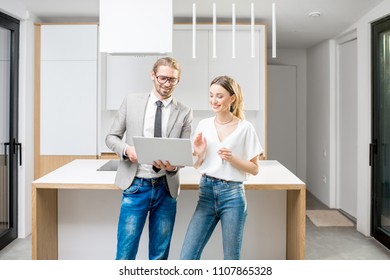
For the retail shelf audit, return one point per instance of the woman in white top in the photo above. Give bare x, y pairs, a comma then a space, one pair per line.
227, 150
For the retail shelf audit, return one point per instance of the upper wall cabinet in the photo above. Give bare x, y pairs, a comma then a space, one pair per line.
127, 74
137, 27
68, 42
193, 86
68, 89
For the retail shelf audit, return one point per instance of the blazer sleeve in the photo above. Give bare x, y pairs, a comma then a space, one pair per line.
114, 137
187, 124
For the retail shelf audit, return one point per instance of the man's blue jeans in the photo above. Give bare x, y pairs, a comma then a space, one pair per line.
143, 197
218, 200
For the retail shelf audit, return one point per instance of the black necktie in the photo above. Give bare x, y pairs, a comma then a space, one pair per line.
157, 126
157, 120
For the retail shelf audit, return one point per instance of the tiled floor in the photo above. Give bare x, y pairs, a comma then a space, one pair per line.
19, 249
322, 243
339, 243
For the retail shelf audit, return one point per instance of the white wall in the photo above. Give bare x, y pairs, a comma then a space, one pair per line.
318, 112
26, 124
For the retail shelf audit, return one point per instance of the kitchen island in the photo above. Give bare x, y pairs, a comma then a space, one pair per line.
84, 175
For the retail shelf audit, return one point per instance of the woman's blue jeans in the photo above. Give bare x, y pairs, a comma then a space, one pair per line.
143, 197
219, 200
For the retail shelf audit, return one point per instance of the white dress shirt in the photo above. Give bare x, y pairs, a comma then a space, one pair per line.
243, 142
145, 170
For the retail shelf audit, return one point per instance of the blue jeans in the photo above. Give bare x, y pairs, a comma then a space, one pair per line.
143, 197
219, 200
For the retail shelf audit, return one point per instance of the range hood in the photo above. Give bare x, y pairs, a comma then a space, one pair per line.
135, 27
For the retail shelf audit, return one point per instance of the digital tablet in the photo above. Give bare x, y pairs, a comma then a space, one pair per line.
178, 151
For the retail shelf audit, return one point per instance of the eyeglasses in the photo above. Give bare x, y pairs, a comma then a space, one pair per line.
163, 79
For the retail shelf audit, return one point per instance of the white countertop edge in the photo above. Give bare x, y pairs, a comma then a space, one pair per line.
84, 171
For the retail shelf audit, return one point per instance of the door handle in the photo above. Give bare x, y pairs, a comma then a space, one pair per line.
18, 146
373, 151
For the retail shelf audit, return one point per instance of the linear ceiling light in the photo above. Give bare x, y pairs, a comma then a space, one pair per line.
193, 30
273, 31
252, 30
214, 30
233, 30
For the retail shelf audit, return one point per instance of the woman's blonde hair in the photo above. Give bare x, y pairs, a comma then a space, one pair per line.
228, 83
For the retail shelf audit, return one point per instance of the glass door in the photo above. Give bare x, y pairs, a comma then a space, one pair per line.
380, 147
9, 146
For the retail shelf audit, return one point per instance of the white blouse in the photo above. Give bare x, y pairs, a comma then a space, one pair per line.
243, 142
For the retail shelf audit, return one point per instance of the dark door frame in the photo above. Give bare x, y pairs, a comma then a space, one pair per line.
13, 147
376, 151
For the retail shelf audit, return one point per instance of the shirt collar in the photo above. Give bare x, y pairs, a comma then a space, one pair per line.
166, 102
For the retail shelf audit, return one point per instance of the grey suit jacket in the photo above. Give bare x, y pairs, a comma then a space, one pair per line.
130, 119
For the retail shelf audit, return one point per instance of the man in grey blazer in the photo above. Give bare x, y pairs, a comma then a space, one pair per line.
148, 189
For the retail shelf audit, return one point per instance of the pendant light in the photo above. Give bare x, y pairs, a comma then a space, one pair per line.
193, 30
233, 30
214, 30
252, 30
273, 31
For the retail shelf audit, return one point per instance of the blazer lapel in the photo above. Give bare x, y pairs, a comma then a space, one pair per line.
172, 117
139, 113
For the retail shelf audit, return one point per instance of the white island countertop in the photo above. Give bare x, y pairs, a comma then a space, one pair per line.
83, 174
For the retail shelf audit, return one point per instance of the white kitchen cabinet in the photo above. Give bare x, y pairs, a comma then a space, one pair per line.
68, 108
125, 75
68, 90
193, 86
69, 42
246, 70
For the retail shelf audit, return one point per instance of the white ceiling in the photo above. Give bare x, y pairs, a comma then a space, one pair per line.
295, 29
